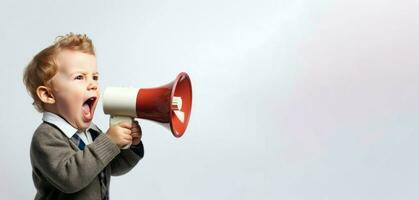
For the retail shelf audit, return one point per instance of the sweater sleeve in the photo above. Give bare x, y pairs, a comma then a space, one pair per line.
127, 159
67, 169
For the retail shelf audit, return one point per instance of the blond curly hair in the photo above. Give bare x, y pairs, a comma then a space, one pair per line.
43, 67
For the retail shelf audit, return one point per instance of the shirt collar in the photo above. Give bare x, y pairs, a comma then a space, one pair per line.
63, 125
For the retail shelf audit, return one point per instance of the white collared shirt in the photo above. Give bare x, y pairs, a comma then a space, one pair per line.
67, 129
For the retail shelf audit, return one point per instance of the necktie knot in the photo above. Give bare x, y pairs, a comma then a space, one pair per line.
78, 141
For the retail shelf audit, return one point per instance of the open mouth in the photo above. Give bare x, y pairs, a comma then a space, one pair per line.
87, 109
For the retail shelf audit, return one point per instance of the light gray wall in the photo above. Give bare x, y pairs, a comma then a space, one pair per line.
292, 99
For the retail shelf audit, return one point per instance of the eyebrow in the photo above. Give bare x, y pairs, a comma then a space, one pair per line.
84, 73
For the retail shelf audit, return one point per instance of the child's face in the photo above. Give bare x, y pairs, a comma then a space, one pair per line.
75, 87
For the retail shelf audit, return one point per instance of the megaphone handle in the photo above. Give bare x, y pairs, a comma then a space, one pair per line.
113, 120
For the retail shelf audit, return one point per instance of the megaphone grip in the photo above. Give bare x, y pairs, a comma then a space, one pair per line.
114, 120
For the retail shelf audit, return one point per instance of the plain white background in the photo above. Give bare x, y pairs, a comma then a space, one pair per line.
292, 99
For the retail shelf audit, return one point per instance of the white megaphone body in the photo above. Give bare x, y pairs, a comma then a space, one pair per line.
169, 104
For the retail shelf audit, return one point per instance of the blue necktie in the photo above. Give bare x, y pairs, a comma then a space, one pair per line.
78, 141
102, 177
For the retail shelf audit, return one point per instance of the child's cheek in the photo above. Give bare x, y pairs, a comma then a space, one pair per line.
69, 99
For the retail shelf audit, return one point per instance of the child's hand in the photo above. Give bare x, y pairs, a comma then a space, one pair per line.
120, 134
136, 133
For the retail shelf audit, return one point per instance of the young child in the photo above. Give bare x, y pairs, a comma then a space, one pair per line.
71, 157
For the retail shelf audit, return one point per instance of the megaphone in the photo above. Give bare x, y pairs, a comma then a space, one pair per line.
169, 104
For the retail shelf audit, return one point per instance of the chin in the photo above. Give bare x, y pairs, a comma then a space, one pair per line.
83, 126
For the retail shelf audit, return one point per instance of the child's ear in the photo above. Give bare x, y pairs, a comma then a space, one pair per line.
45, 95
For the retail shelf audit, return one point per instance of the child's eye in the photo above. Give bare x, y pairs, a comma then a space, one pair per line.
95, 78
79, 77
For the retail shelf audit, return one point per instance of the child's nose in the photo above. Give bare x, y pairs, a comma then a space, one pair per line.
92, 85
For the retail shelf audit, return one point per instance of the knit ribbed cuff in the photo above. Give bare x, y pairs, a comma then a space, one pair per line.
138, 149
105, 149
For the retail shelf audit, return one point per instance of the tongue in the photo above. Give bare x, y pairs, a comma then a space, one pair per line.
86, 112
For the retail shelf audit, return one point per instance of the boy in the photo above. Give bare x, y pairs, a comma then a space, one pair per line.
71, 157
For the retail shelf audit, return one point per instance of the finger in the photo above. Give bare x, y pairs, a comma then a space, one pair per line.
124, 131
127, 131
129, 140
134, 123
135, 129
127, 137
137, 124
125, 125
